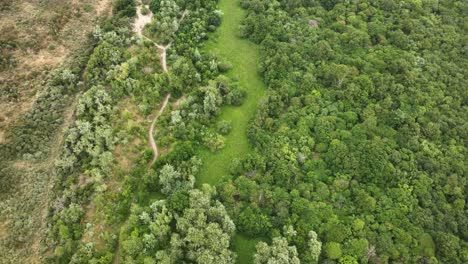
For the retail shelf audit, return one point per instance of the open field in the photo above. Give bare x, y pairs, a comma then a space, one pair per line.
244, 57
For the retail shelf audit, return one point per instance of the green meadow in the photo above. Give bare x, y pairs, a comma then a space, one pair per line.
244, 57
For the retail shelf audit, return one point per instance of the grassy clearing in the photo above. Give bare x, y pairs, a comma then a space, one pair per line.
245, 248
244, 57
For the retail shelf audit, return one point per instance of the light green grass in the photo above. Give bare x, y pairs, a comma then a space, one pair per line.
245, 248
244, 56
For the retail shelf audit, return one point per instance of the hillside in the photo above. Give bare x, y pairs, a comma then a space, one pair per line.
233, 131
36, 38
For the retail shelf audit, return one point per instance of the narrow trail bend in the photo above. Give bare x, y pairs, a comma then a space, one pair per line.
163, 54
151, 131
140, 22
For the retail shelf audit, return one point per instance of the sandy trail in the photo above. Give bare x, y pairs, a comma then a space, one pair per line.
184, 14
151, 132
163, 55
179, 102
141, 21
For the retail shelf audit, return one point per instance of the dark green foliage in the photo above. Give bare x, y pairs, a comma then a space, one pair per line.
214, 19
362, 137
361, 132
125, 8
112, 75
181, 152
253, 222
104, 56
154, 6
200, 234
178, 201
32, 133
223, 127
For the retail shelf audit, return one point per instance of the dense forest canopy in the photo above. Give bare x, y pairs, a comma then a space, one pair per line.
363, 134
357, 150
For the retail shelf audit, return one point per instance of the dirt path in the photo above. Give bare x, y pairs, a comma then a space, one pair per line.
179, 101
184, 14
117, 253
141, 21
151, 132
163, 55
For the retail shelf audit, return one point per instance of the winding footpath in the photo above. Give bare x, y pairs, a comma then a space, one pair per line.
140, 22
151, 132
163, 55
244, 56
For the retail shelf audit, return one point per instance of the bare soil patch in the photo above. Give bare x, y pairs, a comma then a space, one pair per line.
36, 37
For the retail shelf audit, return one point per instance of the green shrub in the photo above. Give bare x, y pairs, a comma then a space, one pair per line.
224, 127
125, 8
333, 250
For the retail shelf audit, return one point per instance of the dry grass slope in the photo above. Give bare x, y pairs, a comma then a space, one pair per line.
35, 37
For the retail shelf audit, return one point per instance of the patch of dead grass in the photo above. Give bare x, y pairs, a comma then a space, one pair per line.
37, 36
